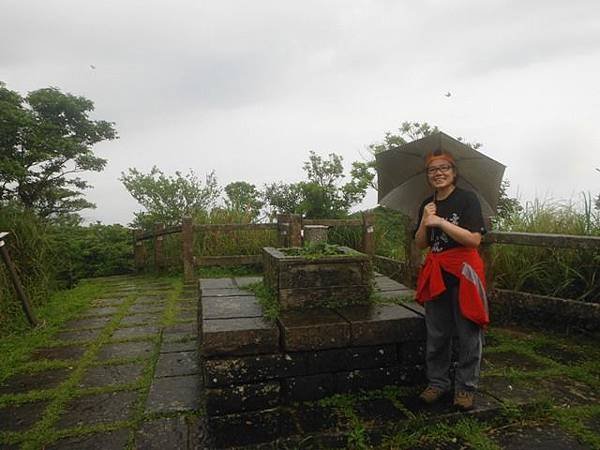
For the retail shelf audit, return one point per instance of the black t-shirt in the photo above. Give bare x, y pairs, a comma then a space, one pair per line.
461, 208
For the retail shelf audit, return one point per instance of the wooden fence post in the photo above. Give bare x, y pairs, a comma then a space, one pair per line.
295, 232
17, 283
368, 233
187, 240
413, 255
283, 226
158, 247
139, 252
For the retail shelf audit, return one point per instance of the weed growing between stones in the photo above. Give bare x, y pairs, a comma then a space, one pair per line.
267, 299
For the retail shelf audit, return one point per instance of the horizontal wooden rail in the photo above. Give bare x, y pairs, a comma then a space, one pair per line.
334, 222
234, 226
543, 240
236, 260
151, 234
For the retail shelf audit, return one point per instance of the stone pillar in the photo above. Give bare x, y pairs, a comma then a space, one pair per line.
187, 240
314, 234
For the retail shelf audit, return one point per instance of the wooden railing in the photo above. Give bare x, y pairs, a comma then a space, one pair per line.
288, 226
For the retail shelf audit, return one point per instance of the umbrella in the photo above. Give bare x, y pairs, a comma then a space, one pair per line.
402, 182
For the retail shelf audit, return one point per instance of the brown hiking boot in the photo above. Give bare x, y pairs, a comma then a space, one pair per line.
463, 400
431, 394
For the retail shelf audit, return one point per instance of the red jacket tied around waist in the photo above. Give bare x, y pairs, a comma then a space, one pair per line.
466, 265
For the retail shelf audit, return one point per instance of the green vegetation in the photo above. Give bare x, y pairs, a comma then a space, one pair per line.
314, 250
266, 298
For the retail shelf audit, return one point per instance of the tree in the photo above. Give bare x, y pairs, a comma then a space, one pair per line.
46, 139
242, 197
323, 195
168, 198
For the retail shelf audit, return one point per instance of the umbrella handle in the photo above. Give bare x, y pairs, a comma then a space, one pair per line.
431, 229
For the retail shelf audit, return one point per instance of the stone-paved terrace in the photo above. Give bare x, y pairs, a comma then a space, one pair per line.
124, 374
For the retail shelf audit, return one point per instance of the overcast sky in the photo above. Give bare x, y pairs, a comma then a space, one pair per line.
247, 88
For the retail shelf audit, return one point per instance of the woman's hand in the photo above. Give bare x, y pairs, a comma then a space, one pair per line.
430, 217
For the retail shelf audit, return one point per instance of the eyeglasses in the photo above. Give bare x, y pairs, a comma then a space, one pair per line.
442, 169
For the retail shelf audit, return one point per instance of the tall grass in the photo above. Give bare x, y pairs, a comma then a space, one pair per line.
562, 273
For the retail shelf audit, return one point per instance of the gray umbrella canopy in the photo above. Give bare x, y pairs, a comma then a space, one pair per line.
402, 182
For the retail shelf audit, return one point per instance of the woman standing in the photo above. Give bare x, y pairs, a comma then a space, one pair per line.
451, 282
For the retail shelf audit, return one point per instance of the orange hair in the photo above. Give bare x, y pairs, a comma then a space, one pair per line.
437, 155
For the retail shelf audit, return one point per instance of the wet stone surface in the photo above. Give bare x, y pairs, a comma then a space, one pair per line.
125, 350
24, 382
101, 311
176, 364
21, 417
225, 292
217, 283
174, 394
170, 433
99, 408
230, 307
94, 322
185, 346
560, 354
239, 336
314, 329
112, 374
79, 335
134, 332
494, 360
242, 282
537, 438
141, 319
58, 353
109, 440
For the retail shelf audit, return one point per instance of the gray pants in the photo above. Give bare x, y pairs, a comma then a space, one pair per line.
444, 320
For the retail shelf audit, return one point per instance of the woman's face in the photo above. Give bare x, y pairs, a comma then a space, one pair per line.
441, 174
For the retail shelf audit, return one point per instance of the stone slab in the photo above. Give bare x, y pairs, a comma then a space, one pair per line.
495, 360
135, 332
141, 319
309, 387
107, 440
380, 324
366, 379
21, 417
242, 282
246, 397
384, 283
412, 352
313, 417
113, 374
98, 408
125, 350
217, 283
336, 360
101, 311
185, 346
108, 301
177, 364
151, 299
379, 411
24, 382
249, 369
79, 335
179, 432
230, 307
174, 394
92, 322
226, 292
73, 352
250, 428
313, 329
239, 336
190, 328
300, 298
538, 437
146, 308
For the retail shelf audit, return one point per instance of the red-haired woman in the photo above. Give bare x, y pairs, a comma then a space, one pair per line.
451, 282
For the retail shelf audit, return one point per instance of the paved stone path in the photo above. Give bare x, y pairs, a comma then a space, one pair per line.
124, 374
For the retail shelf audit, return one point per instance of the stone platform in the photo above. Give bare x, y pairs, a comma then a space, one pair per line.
256, 371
